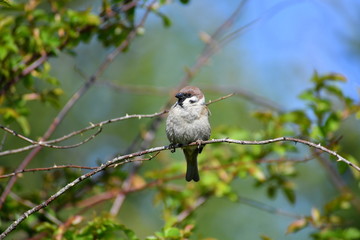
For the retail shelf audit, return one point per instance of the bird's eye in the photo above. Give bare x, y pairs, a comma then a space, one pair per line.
187, 95
192, 101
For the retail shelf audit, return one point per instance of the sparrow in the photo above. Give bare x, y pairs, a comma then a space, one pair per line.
187, 122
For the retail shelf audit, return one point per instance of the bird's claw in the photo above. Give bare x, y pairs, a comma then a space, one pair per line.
173, 147
199, 142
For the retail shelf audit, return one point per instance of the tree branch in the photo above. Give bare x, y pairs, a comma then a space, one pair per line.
42, 144
264, 207
92, 126
128, 158
46, 169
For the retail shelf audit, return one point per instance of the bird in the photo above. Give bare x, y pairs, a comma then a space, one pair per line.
187, 122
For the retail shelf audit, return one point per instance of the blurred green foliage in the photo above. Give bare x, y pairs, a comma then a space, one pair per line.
34, 31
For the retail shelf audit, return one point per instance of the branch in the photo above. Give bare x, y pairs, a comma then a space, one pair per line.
30, 204
3, 141
187, 212
127, 158
92, 126
45, 169
267, 208
42, 144
220, 99
265, 16
284, 139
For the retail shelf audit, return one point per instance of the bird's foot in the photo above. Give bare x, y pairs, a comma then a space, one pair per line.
173, 146
200, 144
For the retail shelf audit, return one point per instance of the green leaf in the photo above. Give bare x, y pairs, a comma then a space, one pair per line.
352, 233
172, 233
321, 106
165, 19
271, 191
288, 190
308, 95
335, 91
332, 123
3, 53
342, 167
333, 77
264, 237
46, 226
316, 133
24, 124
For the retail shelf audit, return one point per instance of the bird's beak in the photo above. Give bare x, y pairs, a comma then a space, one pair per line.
180, 96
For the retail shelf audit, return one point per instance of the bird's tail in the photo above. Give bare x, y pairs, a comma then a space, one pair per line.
192, 172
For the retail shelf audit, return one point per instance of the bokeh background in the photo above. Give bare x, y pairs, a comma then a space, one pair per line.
274, 58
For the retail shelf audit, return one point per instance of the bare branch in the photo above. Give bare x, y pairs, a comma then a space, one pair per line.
46, 169
27, 203
128, 158
187, 212
3, 141
220, 99
34, 65
43, 144
267, 208
92, 126
265, 16
285, 139
65, 166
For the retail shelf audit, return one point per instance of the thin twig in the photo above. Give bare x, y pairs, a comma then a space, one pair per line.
3, 140
187, 212
120, 197
34, 65
92, 126
43, 144
128, 158
30, 204
246, 95
46, 169
265, 16
219, 99
262, 206
338, 181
